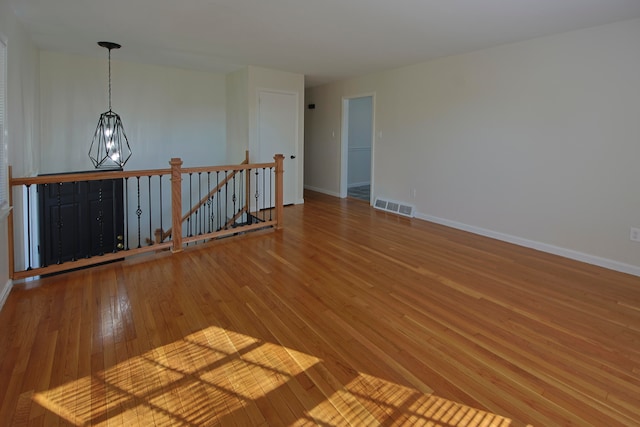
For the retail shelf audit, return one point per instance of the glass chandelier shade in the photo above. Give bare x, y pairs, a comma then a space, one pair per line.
110, 146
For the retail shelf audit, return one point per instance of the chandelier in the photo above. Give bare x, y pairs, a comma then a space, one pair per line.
110, 146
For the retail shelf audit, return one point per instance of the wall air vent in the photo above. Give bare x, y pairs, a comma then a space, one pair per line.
394, 207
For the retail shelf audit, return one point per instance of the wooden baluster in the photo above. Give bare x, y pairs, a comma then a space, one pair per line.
158, 236
176, 204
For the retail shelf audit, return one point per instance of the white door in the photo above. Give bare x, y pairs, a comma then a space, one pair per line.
278, 134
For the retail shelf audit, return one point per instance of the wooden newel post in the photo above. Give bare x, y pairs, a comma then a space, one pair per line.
279, 158
176, 204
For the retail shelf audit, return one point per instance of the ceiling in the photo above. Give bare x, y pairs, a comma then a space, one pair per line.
326, 40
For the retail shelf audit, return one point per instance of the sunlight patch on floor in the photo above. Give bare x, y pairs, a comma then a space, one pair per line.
216, 375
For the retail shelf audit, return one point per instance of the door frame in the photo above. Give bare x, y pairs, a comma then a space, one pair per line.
256, 144
344, 143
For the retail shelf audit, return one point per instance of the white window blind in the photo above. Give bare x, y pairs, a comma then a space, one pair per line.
4, 202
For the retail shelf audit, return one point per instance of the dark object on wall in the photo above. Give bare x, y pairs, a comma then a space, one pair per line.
80, 219
110, 146
312, 106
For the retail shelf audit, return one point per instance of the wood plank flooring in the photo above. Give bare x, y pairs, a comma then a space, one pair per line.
348, 316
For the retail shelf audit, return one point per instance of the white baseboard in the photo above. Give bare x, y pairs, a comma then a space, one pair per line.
544, 247
322, 190
4, 292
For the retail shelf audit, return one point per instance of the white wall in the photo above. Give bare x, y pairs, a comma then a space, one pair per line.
322, 145
237, 115
166, 112
22, 117
536, 142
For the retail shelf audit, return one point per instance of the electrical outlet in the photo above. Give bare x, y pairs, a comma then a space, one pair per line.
635, 234
413, 193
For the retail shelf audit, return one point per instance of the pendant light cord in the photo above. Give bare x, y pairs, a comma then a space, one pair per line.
109, 79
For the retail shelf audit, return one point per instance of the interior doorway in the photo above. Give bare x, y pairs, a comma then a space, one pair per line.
357, 147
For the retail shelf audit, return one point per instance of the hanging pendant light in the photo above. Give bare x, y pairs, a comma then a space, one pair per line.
110, 146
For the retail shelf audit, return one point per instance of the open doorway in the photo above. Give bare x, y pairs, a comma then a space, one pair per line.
357, 147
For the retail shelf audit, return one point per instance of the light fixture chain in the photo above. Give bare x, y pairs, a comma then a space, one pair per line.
109, 79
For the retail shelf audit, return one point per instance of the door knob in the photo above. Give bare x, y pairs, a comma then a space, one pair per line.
293, 157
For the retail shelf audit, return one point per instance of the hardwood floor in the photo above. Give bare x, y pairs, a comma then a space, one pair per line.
348, 316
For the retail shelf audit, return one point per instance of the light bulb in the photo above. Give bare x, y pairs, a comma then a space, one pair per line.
115, 156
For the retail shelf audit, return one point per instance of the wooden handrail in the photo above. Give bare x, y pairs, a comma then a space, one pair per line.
87, 176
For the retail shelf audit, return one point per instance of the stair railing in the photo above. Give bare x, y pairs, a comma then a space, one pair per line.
161, 236
245, 197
